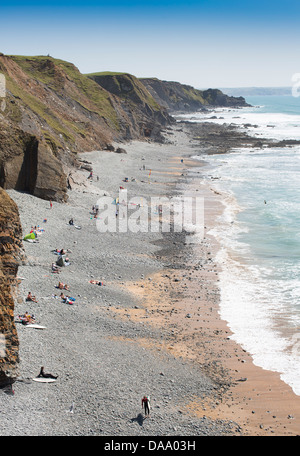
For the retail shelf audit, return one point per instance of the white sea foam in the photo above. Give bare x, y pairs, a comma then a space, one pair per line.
257, 123
251, 309
251, 306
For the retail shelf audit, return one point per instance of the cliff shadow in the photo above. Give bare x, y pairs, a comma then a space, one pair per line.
27, 177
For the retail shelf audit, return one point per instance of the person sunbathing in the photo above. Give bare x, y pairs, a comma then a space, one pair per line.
31, 298
27, 319
97, 282
67, 299
42, 374
60, 251
63, 286
55, 268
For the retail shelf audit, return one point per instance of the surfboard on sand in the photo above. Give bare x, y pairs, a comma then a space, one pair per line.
34, 325
44, 380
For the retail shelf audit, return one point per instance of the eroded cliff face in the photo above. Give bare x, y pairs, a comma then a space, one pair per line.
52, 112
178, 97
10, 257
27, 163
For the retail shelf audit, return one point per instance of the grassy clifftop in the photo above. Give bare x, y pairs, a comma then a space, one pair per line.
56, 73
61, 97
127, 87
71, 109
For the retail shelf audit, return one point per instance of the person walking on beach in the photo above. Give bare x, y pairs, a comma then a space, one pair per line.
146, 404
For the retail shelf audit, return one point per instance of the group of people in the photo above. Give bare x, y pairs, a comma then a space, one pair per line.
37, 230
60, 251
95, 210
63, 286
61, 261
55, 268
27, 319
90, 176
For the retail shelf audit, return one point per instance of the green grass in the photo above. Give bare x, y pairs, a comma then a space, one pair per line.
194, 94
139, 93
105, 73
52, 72
39, 109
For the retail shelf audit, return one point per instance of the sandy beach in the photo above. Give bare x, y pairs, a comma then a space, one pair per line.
153, 327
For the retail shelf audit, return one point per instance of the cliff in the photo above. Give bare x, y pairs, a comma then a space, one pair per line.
52, 112
142, 108
178, 97
10, 255
28, 163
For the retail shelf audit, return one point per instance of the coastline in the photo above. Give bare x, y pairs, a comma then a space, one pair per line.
154, 325
257, 399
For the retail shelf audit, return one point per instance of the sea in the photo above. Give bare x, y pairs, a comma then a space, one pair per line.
259, 233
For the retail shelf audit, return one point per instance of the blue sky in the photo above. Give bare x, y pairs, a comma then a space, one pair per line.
202, 43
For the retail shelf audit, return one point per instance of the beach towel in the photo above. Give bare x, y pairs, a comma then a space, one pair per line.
29, 236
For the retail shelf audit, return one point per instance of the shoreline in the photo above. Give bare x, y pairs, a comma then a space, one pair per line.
256, 399
133, 341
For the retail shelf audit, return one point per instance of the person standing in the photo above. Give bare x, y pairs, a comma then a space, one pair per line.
146, 404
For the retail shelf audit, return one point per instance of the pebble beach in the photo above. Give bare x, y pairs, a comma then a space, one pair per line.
151, 328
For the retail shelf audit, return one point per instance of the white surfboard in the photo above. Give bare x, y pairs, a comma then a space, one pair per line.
44, 380
35, 326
